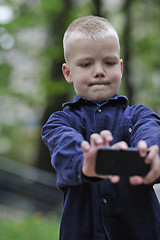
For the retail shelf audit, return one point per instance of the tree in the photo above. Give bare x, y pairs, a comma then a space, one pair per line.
31, 82
58, 23
126, 39
55, 102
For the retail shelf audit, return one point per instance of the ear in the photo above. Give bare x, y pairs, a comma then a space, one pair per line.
67, 73
121, 63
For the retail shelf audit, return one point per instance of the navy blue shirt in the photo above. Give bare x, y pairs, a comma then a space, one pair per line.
95, 209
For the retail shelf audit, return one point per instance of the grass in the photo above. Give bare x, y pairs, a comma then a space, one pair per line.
35, 227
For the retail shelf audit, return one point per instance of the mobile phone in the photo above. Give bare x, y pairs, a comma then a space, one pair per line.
114, 161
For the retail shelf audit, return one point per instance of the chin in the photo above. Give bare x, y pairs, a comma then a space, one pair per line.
100, 99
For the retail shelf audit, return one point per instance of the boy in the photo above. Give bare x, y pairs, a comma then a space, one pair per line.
101, 207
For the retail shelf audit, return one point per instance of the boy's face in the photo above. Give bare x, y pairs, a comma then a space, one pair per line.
94, 67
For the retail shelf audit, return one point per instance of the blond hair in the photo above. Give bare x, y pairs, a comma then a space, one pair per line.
89, 27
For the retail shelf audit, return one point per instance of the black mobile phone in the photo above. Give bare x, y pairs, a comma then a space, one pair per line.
113, 161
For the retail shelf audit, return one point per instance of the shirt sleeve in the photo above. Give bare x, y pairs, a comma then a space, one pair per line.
146, 126
63, 141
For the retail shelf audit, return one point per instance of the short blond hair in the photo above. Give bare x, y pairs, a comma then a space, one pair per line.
89, 27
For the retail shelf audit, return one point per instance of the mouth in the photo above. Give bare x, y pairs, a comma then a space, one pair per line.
98, 84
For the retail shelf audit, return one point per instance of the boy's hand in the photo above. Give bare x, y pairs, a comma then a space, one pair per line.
152, 159
104, 139
90, 151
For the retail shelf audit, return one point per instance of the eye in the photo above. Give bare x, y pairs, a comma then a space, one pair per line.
85, 64
110, 63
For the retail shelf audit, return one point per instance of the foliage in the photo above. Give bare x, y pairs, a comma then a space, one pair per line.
31, 49
30, 228
145, 45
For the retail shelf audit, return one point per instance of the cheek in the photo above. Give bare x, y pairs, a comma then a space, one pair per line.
116, 76
82, 78
79, 83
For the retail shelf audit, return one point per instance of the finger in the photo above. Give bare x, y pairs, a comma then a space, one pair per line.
96, 139
142, 146
122, 145
153, 151
151, 177
114, 179
154, 173
107, 137
85, 146
136, 180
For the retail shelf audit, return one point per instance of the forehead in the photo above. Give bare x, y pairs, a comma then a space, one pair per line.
72, 40
85, 48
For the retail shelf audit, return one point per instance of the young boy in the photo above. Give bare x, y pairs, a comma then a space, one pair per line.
101, 207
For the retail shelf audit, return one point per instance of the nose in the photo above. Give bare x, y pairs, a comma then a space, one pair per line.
99, 71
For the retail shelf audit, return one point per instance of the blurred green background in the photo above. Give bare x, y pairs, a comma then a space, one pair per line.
32, 85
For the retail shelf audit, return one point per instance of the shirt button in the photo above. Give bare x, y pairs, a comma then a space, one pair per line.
129, 130
104, 200
99, 110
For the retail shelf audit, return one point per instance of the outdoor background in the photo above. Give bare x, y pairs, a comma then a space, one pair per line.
32, 87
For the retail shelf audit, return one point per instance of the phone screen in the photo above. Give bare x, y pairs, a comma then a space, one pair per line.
128, 162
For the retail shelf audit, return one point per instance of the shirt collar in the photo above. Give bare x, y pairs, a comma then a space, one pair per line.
123, 100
